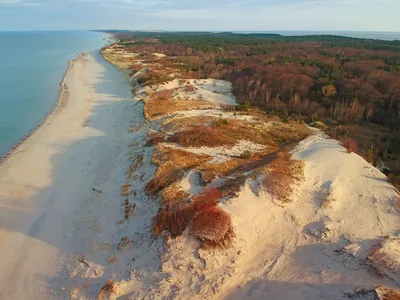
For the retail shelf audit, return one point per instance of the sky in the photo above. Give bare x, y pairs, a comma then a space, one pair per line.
207, 15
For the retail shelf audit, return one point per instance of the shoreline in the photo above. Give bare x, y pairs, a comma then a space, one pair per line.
60, 104
48, 186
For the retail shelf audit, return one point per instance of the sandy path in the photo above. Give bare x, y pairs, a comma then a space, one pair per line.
48, 210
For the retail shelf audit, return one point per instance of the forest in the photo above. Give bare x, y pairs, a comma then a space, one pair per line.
352, 85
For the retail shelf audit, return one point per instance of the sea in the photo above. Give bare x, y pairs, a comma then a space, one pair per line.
32, 65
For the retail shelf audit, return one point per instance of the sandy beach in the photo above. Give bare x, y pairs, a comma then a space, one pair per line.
51, 182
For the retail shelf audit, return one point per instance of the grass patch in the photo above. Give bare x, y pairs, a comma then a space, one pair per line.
176, 217
107, 290
112, 260
245, 155
173, 194
129, 208
173, 164
288, 134
272, 134
269, 134
125, 189
136, 163
213, 228
199, 136
154, 138
394, 179
157, 108
349, 143
238, 165
283, 173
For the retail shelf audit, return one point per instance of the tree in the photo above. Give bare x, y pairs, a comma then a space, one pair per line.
329, 90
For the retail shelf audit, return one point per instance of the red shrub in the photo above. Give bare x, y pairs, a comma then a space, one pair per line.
349, 143
176, 217
213, 227
206, 200
154, 138
174, 220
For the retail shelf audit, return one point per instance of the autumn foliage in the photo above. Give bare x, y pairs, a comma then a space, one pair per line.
198, 136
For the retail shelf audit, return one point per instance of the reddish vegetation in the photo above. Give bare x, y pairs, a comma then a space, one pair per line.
213, 227
352, 81
394, 178
190, 88
283, 173
350, 144
210, 224
153, 138
198, 136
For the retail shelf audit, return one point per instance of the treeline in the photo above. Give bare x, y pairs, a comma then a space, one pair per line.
326, 75
348, 80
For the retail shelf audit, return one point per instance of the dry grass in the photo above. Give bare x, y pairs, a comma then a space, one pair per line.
283, 173
177, 124
154, 76
154, 138
173, 163
136, 163
206, 177
288, 134
385, 293
176, 217
125, 189
242, 130
213, 227
173, 194
112, 260
238, 165
394, 179
349, 143
129, 208
190, 88
158, 108
199, 136
232, 186
270, 134
107, 290
165, 94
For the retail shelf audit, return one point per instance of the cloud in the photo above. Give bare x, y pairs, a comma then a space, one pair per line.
201, 14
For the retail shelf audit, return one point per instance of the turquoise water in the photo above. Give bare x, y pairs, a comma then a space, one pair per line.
32, 65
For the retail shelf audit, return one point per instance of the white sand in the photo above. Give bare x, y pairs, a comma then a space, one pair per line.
49, 214
312, 248
212, 90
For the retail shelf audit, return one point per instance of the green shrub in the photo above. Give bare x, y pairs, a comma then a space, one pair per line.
245, 155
